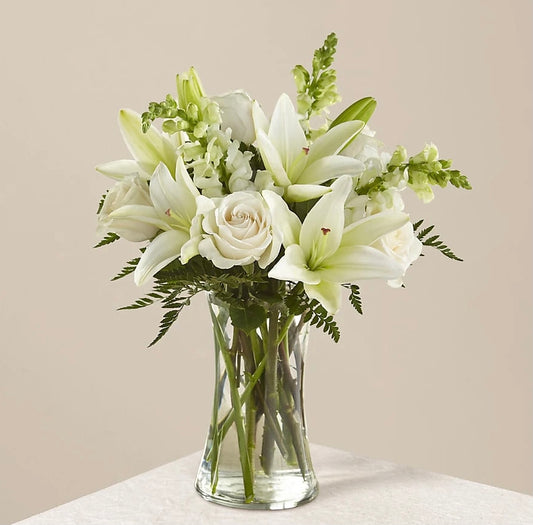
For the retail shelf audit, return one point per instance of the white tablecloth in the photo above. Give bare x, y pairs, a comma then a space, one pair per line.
353, 490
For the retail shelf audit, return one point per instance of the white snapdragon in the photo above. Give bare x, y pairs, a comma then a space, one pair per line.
238, 230
131, 190
238, 166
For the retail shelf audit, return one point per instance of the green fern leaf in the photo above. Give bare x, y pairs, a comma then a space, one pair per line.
434, 241
151, 298
108, 239
128, 268
101, 203
169, 318
355, 297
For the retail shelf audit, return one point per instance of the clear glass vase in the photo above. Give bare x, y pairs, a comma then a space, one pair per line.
257, 452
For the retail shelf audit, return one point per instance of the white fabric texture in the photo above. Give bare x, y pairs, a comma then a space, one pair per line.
353, 490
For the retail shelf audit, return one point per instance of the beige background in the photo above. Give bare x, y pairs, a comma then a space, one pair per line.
438, 375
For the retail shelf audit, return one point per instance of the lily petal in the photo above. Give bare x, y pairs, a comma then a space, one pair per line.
286, 222
118, 169
327, 168
259, 118
139, 212
161, 251
348, 265
322, 229
335, 140
272, 159
285, 132
148, 148
328, 294
368, 230
305, 192
177, 196
293, 267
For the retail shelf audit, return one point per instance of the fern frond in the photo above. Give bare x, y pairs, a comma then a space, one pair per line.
101, 203
355, 297
169, 319
434, 241
298, 303
425, 232
151, 298
439, 245
108, 239
318, 316
128, 268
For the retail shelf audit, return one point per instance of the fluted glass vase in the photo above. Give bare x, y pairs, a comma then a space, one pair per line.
257, 452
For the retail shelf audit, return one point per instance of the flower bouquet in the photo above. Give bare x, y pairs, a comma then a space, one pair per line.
273, 218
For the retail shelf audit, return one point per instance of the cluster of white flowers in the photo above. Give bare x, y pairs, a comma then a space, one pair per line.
241, 189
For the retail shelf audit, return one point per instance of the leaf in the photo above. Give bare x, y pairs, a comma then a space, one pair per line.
170, 316
355, 297
101, 203
128, 268
168, 320
108, 239
248, 318
143, 301
434, 241
298, 303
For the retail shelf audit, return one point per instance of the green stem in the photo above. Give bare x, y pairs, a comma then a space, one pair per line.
225, 424
271, 392
237, 407
215, 449
251, 410
291, 404
283, 332
292, 419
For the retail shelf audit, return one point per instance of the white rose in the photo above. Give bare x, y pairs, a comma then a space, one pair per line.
238, 231
236, 113
403, 246
131, 190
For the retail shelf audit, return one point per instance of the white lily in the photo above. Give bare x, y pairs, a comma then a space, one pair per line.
297, 167
323, 254
174, 212
148, 149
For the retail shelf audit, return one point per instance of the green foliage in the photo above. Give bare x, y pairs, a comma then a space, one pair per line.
241, 288
248, 318
128, 268
317, 89
101, 203
108, 239
355, 297
174, 305
143, 301
298, 303
433, 241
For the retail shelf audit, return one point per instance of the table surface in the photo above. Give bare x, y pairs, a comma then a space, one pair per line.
352, 490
